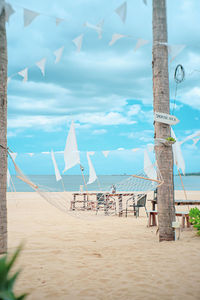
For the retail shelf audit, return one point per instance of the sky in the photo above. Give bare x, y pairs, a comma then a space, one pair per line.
106, 90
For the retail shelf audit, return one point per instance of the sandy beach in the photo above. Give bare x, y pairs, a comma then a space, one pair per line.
66, 257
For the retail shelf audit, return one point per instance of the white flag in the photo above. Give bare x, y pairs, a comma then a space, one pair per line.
97, 28
105, 153
71, 153
9, 11
78, 42
148, 167
41, 65
58, 21
140, 43
29, 16
8, 178
178, 156
116, 37
92, 173
13, 155
57, 173
175, 50
121, 11
58, 54
24, 74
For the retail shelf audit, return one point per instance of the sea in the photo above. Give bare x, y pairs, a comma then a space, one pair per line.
76, 183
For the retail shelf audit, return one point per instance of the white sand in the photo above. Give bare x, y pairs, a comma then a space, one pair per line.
102, 258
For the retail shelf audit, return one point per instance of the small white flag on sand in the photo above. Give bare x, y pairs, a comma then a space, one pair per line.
29, 16
58, 21
8, 178
9, 11
24, 74
116, 37
71, 153
121, 11
57, 173
175, 50
97, 28
92, 173
78, 42
148, 167
178, 156
105, 153
145, 2
13, 155
140, 43
58, 54
41, 65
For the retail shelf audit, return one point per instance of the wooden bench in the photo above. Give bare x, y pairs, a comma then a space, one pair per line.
152, 218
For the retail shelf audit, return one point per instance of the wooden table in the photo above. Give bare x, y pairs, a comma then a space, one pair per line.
178, 202
91, 204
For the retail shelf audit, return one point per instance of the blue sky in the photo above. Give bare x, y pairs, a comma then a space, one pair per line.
106, 90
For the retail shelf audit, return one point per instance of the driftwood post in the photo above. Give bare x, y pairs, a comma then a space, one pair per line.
164, 155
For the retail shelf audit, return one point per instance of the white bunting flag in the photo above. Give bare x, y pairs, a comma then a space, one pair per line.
121, 11
92, 173
71, 153
178, 156
41, 65
78, 42
58, 21
116, 37
140, 43
8, 178
175, 50
9, 11
58, 54
97, 28
148, 167
105, 153
13, 155
24, 74
29, 16
57, 173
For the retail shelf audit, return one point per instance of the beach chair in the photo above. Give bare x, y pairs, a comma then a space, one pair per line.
105, 203
141, 202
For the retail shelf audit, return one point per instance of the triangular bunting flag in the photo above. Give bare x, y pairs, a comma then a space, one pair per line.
121, 11
29, 16
57, 173
58, 54
140, 43
71, 153
116, 37
92, 173
105, 153
9, 11
175, 50
97, 28
78, 42
41, 65
24, 74
58, 21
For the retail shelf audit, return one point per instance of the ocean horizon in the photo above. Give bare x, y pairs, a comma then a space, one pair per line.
76, 183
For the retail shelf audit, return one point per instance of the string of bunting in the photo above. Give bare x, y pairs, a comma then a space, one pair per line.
121, 11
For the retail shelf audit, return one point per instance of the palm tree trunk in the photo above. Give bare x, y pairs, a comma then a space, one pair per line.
3, 133
164, 155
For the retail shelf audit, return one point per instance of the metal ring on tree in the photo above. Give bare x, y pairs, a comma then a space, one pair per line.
179, 74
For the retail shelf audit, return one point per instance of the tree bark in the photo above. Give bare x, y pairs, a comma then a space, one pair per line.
164, 155
3, 133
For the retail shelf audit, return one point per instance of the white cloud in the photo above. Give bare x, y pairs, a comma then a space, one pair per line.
99, 131
192, 97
